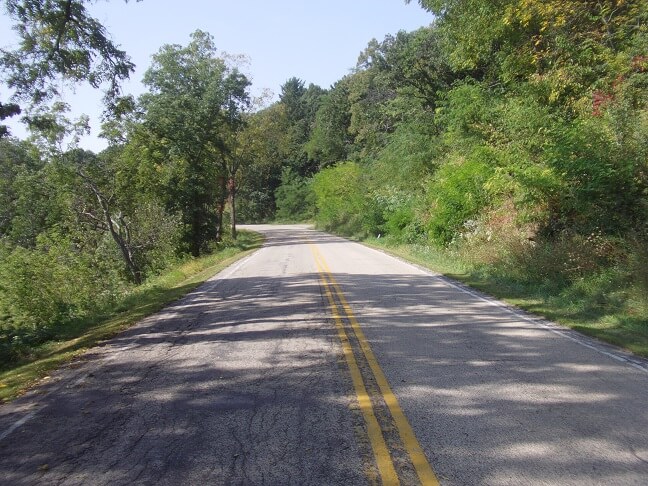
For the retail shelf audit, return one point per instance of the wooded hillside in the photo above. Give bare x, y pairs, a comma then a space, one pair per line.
510, 137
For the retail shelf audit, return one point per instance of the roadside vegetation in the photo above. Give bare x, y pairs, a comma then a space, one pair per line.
506, 144
30, 357
605, 305
91, 242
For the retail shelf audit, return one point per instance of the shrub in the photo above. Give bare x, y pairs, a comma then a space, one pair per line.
457, 193
340, 199
43, 289
295, 198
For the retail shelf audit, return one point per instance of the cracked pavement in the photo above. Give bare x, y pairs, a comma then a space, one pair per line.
243, 382
237, 383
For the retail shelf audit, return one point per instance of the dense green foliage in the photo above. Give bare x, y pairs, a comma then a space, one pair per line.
71, 338
79, 231
192, 113
510, 135
59, 43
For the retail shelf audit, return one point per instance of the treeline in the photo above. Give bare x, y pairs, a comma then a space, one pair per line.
512, 135
80, 231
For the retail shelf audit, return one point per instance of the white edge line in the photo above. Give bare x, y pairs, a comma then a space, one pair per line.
537, 321
18, 423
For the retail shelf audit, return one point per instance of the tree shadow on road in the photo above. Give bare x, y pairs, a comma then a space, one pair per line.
239, 383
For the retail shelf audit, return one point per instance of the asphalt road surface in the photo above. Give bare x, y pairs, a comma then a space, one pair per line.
319, 361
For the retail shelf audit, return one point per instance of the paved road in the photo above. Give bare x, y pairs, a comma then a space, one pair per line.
250, 380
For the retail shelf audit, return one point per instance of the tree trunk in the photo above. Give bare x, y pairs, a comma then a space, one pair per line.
220, 208
122, 242
231, 186
196, 237
124, 246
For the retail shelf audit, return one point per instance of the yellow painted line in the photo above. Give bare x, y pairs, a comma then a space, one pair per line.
417, 456
381, 452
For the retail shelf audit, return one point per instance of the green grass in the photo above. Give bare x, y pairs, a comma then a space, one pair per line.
147, 299
605, 306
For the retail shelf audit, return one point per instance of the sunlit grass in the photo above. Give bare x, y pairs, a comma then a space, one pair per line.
76, 338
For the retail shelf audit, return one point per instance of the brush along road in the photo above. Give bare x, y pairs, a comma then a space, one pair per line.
319, 361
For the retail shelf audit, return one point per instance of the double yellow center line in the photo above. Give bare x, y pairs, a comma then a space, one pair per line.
376, 435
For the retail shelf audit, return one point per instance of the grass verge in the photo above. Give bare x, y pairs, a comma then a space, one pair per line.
143, 301
611, 311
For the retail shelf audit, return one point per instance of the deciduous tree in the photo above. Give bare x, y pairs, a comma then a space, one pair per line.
59, 43
193, 111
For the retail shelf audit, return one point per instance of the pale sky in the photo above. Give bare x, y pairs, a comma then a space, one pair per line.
317, 41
